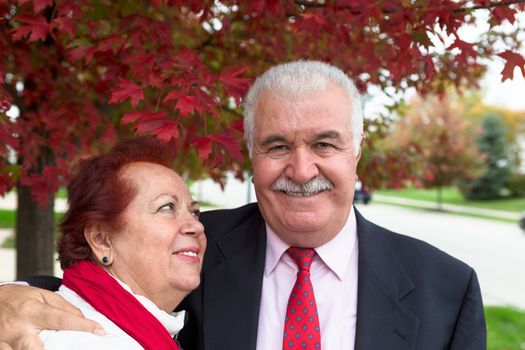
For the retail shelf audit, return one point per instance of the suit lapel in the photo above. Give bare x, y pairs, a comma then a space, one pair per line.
382, 321
232, 289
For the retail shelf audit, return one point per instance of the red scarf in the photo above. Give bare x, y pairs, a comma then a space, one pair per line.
108, 297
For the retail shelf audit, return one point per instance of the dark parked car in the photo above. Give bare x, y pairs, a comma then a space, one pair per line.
362, 193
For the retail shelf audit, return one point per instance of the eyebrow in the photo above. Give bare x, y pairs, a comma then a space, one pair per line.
194, 204
172, 196
330, 134
273, 139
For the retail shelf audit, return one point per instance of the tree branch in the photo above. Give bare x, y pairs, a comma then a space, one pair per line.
309, 4
489, 6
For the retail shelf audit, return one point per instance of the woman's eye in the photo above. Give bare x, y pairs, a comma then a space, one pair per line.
167, 207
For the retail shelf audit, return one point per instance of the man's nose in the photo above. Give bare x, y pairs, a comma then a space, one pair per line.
302, 166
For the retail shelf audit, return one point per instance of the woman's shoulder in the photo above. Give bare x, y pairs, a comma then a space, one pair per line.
58, 340
115, 338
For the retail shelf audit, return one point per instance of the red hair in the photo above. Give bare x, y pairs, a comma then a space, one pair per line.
97, 194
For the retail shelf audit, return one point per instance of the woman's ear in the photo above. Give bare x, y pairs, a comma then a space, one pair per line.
100, 244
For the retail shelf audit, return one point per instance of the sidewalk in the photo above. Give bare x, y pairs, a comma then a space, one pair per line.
452, 208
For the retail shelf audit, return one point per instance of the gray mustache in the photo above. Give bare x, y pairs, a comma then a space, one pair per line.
314, 185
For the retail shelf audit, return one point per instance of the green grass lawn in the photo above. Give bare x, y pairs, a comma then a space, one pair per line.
452, 195
505, 328
8, 218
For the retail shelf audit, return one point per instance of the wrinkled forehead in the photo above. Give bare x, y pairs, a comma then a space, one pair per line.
146, 176
330, 105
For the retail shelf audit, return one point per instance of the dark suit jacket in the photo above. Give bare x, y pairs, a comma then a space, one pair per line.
410, 294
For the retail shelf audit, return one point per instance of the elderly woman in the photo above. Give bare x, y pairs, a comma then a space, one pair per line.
131, 249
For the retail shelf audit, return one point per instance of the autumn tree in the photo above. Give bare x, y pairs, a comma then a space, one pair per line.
445, 142
84, 72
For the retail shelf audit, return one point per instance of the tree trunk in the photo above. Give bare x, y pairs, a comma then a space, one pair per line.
439, 199
35, 235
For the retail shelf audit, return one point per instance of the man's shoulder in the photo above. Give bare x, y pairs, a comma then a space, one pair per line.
222, 221
426, 260
417, 255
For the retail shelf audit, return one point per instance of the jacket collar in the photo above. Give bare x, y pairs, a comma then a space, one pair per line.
382, 320
232, 288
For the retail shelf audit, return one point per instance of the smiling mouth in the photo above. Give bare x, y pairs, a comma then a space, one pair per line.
188, 253
302, 194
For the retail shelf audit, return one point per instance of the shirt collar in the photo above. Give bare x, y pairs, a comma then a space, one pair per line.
335, 253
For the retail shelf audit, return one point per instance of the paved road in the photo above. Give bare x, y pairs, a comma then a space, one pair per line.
496, 250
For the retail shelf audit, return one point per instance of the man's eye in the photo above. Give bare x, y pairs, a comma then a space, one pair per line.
167, 207
278, 149
323, 145
196, 213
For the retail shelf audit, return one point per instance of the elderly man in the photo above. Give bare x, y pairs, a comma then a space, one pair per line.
302, 268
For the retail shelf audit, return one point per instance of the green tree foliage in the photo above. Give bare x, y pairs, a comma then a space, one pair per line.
492, 144
476, 110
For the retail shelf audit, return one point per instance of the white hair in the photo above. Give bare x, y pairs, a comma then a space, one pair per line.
297, 79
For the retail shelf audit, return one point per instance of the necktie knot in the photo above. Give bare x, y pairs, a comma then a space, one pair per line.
302, 256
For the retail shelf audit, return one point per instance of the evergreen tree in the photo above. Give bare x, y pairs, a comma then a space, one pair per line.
492, 145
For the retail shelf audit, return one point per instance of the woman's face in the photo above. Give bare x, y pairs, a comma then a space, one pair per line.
159, 249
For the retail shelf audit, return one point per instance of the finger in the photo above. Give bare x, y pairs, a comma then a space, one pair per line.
58, 302
30, 342
5, 346
62, 320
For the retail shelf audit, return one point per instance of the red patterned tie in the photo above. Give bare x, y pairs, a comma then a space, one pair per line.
301, 325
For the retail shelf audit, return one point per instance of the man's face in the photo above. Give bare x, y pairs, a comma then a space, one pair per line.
305, 141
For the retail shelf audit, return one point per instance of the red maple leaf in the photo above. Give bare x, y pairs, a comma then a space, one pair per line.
139, 62
5, 102
235, 86
467, 50
42, 185
6, 184
504, 13
42, 4
167, 131
127, 89
230, 144
64, 25
76, 53
186, 104
140, 116
513, 60
155, 123
203, 145
430, 69
37, 26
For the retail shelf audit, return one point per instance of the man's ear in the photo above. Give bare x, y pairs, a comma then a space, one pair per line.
100, 243
358, 156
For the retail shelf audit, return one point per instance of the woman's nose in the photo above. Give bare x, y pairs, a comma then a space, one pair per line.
192, 226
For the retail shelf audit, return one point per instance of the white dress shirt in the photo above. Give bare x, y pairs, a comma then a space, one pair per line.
115, 338
334, 278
